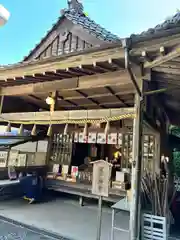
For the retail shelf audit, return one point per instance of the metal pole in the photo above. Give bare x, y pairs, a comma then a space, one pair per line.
99, 218
136, 170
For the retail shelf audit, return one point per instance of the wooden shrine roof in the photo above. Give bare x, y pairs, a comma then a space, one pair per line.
95, 78
162, 57
75, 14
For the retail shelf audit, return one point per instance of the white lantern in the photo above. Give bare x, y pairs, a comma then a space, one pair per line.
50, 100
4, 15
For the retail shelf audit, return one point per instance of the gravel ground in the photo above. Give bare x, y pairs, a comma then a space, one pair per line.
9, 231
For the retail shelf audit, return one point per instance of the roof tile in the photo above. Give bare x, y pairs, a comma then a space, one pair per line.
170, 23
91, 26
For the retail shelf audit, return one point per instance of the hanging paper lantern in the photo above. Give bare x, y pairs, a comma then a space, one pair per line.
21, 130
4, 15
107, 128
49, 132
33, 133
66, 129
8, 128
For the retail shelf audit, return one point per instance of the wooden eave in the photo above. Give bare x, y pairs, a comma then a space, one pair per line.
162, 57
95, 78
89, 57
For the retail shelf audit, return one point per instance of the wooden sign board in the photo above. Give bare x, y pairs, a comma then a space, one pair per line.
3, 158
101, 176
21, 162
55, 168
13, 156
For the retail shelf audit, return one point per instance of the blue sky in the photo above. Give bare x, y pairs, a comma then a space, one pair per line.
31, 19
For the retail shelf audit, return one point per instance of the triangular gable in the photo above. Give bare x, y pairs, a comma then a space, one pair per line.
76, 25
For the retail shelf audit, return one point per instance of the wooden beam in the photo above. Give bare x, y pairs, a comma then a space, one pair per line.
1, 104
162, 51
162, 59
84, 82
65, 115
36, 101
169, 70
72, 60
118, 98
86, 97
61, 98
146, 56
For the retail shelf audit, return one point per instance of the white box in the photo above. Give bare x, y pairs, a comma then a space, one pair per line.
120, 176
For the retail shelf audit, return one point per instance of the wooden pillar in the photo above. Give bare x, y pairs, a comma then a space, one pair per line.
135, 210
1, 104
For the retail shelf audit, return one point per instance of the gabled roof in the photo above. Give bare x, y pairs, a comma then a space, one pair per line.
78, 17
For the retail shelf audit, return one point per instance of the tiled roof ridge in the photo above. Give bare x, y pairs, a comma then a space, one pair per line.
169, 23
80, 18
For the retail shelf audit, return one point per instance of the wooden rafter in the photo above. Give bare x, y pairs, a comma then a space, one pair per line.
175, 52
62, 62
36, 101
120, 78
86, 96
66, 100
118, 98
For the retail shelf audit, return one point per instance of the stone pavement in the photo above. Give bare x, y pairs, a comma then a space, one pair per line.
10, 231
65, 217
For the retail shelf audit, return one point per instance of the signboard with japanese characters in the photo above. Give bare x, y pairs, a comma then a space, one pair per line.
112, 138
21, 161
101, 177
13, 157
82, 138
92, 137
101, 138
3, 158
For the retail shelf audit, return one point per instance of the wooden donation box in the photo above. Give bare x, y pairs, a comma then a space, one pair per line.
101, 177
